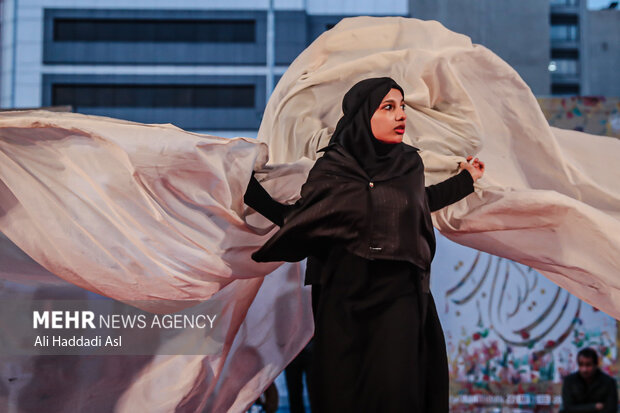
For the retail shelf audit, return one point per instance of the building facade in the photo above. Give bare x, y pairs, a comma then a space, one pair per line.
568, 29
210, 66
558, 47
585, 52
205, 66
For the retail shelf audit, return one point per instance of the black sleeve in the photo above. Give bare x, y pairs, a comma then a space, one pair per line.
320, 219
449, 191
611, 402
259, 199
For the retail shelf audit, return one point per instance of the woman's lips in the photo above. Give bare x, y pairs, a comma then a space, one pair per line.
400, 131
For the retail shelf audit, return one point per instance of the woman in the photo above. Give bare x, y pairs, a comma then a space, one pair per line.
363, 220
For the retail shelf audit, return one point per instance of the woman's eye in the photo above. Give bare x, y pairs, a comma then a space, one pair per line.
387, 107
403, 107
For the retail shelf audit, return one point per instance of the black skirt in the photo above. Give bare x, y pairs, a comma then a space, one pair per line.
378, 343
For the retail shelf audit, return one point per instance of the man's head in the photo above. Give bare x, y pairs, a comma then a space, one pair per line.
587, 360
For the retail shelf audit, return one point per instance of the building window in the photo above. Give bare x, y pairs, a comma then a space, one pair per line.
564, 2
564, 19
565, 54
564, 89
564, 62
564, 67
564, 32
154, 30
153, 96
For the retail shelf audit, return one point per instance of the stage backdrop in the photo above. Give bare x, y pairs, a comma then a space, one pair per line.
512, 334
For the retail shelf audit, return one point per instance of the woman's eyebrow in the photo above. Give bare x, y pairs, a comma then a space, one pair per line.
392, 100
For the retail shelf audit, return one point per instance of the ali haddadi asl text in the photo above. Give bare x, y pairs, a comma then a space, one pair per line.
81, 341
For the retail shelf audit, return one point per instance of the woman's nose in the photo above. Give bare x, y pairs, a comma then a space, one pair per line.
401, 115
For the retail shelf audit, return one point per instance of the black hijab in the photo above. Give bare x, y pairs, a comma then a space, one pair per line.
354, 133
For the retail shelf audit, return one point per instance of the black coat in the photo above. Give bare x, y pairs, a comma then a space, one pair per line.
380, 218
578, 396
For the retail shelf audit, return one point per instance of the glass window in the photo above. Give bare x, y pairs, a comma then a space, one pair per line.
565, 89
564, 32
154, 30
564, 18
565, 54
564, 66
153, 96
564, 2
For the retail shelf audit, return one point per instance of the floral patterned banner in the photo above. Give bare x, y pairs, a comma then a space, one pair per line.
512, 334
598, 115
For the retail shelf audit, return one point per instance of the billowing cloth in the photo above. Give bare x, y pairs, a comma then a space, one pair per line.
153, 216
136, 211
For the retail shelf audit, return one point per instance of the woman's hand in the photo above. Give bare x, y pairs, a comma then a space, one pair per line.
476, 168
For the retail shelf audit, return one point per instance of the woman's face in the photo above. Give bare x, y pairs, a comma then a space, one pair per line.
388, 121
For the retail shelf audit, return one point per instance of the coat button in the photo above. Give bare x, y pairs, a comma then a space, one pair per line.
371, 184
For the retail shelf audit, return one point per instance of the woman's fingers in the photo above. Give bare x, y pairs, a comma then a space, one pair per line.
477, 164
481, 166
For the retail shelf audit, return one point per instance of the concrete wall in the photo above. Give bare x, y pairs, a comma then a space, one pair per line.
515, 30
602, 43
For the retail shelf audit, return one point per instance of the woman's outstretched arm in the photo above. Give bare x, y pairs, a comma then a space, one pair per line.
449, 191
259, 199
457, 187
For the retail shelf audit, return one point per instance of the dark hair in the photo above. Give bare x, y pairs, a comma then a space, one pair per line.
588, 353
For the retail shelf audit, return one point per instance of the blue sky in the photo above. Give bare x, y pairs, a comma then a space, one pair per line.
598, 4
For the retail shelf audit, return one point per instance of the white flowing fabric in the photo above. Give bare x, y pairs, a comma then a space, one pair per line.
152, 212
153, 216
